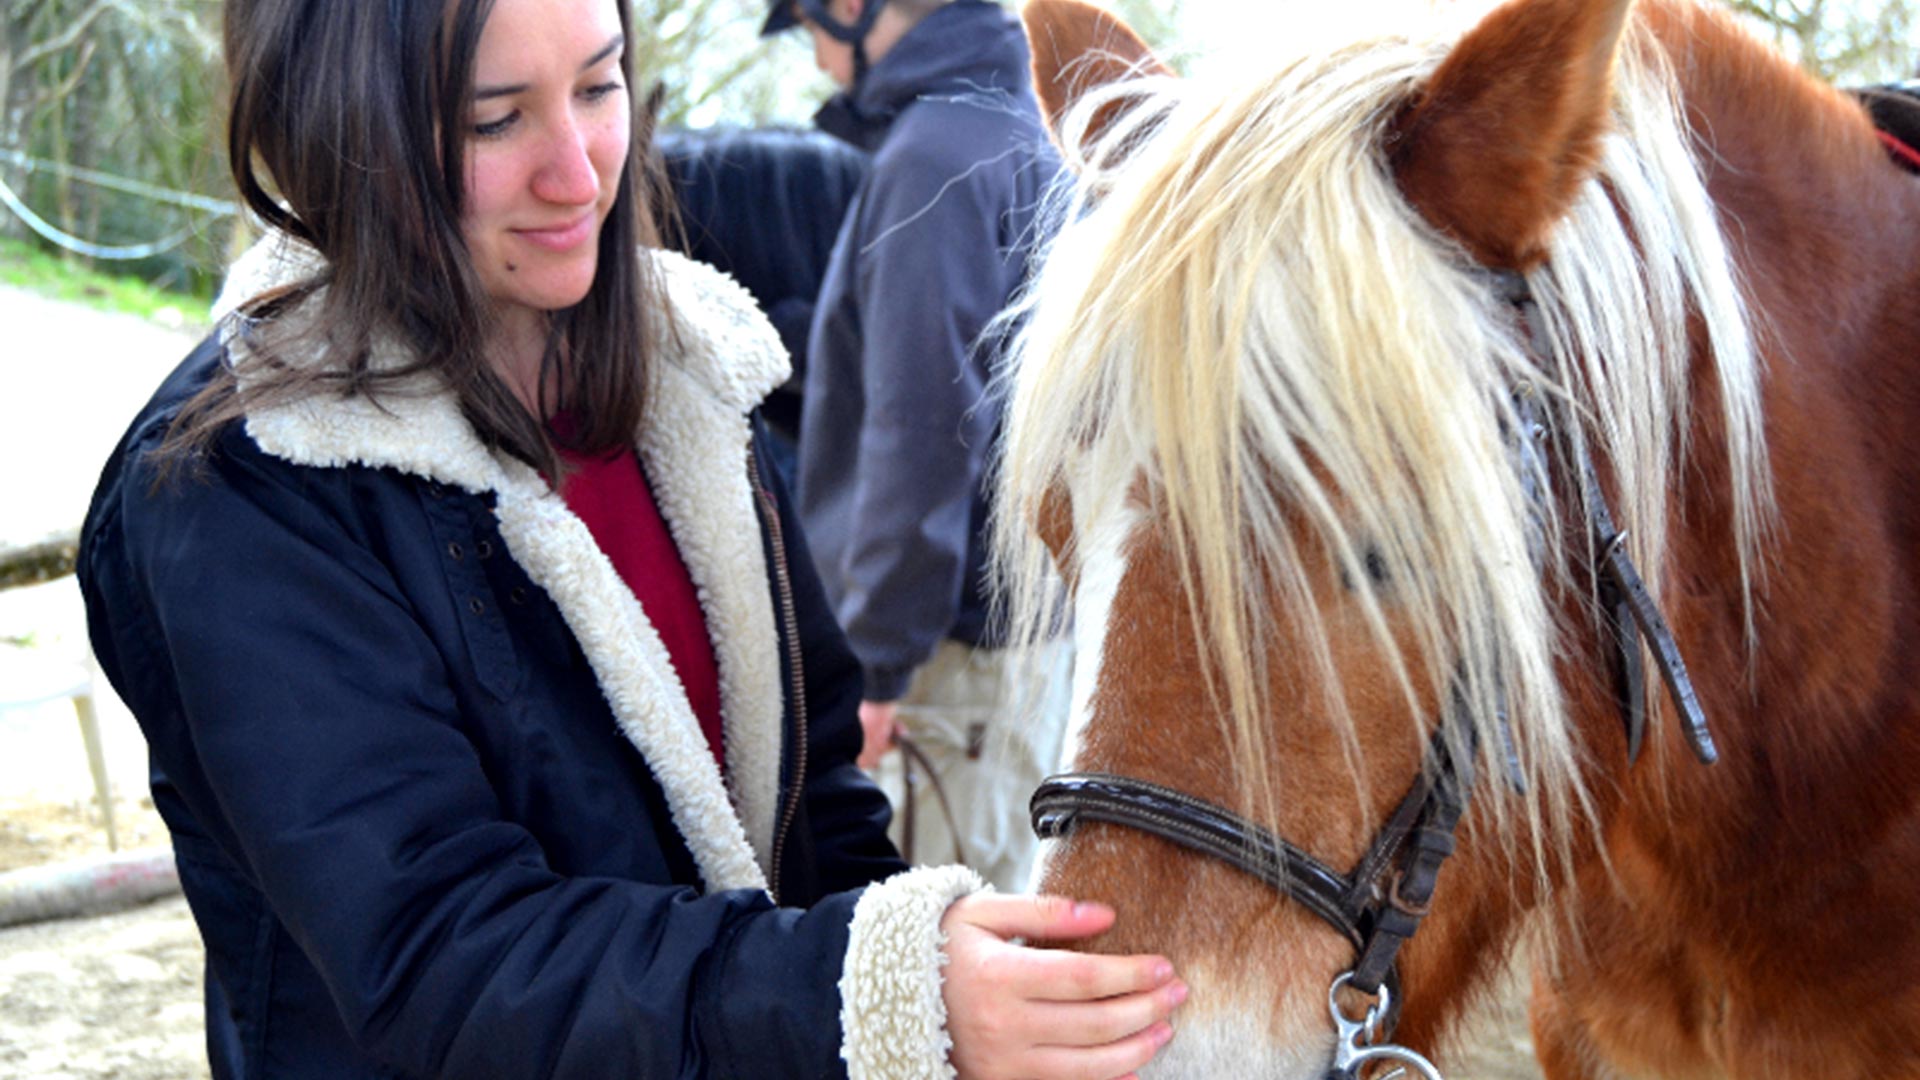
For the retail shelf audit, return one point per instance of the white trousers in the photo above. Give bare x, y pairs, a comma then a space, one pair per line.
987, 725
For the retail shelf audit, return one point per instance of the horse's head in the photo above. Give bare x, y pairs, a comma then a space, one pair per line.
1280, 429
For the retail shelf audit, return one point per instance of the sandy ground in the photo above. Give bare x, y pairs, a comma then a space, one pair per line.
114, 996
118, 996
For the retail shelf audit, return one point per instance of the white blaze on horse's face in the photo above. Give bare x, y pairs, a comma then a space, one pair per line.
1097, 572
1101, 568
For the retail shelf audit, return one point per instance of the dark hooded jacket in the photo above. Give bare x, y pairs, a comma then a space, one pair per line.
439, 804
899, 424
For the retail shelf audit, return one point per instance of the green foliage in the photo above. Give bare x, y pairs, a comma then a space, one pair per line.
128, 88
718, 70
25, 266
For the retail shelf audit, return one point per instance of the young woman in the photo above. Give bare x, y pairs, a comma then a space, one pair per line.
494, 707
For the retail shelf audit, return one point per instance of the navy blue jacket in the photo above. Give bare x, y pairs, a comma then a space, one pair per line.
436, 797
899, 424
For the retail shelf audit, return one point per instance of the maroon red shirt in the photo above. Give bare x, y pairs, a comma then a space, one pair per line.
611, 495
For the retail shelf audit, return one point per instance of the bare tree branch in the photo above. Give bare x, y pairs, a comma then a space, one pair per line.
65, 39
50, 98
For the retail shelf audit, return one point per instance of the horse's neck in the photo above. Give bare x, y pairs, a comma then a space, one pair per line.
1826, 232
1818, 216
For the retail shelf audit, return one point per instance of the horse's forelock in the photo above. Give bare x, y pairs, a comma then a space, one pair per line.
1246, 310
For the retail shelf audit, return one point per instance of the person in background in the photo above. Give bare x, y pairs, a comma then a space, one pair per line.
900, 424
764, 205
495, 711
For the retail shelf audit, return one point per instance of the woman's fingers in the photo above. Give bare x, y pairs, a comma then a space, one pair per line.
1053, 918
1119, 1058
978, 928
1056, 975
877, 727
1097, 1023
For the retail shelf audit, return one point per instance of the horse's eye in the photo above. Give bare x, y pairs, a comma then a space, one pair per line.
1375, 565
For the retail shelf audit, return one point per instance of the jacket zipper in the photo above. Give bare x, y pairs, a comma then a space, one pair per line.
791, 624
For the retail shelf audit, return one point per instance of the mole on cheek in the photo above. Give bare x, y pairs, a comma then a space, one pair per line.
511, 269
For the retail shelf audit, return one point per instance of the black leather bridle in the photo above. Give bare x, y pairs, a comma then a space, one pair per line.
1378, 904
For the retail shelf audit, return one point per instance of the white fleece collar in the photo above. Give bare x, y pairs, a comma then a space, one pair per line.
721, 360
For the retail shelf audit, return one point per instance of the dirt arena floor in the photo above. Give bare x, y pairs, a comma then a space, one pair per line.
110, 997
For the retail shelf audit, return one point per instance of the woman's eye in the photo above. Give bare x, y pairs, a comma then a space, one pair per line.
595, 93
494, 128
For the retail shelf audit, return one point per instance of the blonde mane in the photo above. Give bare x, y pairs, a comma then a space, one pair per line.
1240, 306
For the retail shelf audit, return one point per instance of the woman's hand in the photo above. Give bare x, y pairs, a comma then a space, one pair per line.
877, 725
1016, 1012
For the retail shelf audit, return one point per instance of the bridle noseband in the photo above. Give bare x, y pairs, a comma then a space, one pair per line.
1378, 905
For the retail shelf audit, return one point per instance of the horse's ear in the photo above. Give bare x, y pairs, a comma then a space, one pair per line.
1494, 149
1053, 523
1078, 47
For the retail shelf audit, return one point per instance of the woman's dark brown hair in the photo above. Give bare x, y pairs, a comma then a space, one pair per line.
357, 113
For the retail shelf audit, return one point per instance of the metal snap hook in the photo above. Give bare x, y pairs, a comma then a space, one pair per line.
1354, 1047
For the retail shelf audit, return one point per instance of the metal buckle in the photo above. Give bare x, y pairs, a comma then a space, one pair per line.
1354, 1048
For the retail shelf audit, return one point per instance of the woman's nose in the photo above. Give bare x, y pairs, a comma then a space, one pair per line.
567, 176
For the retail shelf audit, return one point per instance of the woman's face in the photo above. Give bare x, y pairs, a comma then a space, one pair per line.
546, 145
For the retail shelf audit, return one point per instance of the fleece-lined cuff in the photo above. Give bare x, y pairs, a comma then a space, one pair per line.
893, 1021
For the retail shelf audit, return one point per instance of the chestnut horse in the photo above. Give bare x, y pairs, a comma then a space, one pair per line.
1334, 384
